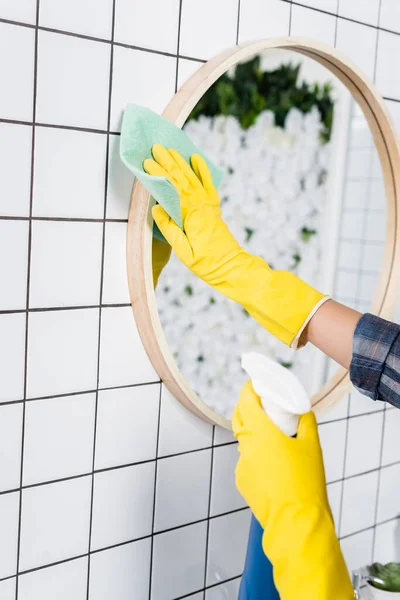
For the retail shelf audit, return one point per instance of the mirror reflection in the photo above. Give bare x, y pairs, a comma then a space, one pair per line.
303, 189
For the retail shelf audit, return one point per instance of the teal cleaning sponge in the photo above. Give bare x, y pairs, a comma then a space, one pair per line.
141, 129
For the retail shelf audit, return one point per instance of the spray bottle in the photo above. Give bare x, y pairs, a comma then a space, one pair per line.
283, 398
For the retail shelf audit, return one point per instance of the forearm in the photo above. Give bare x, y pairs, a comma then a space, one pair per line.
307, 560
331, 330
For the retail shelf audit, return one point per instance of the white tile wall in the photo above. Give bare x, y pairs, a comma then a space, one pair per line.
71, 425
122, 505
65, 93
16, 71
121, 572
15, 169
88, 17
182, 490
69, 173
64, 581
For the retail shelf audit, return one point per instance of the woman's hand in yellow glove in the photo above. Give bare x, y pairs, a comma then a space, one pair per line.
160, 255
283, 481
279, 300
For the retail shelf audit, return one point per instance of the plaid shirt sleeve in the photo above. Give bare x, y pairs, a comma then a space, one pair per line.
375, 365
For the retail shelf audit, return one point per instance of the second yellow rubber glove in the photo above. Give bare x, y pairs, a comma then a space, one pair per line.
283, 481
280, 301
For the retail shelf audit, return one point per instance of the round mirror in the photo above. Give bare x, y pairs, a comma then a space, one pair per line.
306, 150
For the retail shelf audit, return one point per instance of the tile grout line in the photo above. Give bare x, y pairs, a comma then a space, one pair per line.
238, 23
135, 540
339, 526
28, 274
178, 43
384, 412
155, 492
101, 294
208, 518
167, 457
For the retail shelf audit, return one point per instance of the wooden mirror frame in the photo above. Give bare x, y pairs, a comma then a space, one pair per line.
140, 223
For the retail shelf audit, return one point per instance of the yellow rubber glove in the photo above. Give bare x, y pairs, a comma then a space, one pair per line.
159, 258
280, 301
283, 481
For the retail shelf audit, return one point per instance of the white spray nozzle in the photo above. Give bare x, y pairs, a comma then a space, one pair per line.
282, 395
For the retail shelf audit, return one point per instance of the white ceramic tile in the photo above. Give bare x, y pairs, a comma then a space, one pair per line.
55, 522
358, 42
352, 225
333, 436
183, 489
64, 582
23, 10
372, 257
363, 443
376, 226
387, 542
224, 495
148, 24
394, 110
390, 15
326, 5
357, 549
346, 285
127, 422
16, 72
223, 436
367, 286
180, 430
258, 20
227, 545
388, 48
312, 24
335, 499
115, 281
349, 256
389, 493
154, 92
12, 357
69, 173
65, 264
221, 28
120, 181
13, 264
360, 404
7, 589
178, 562
66, 95
338, 411
58, 438
359, 163
391, 445
367, 12
9, 510
62, 352
89, 17
356, 194
123, 360
10, 446
122, 572
122, 505
377, 195
15, 169
228, 591
186, 68
360, 133
359, 499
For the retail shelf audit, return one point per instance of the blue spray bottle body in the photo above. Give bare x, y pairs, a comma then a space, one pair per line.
283, 398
